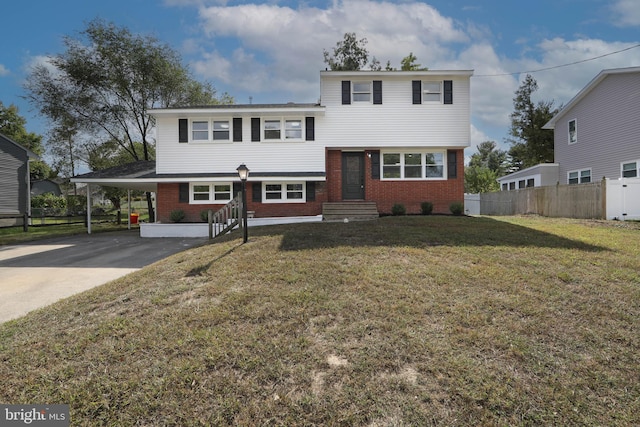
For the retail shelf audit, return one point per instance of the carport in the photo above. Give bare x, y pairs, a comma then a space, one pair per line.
140, 175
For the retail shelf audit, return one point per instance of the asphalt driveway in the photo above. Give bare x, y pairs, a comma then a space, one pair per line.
36, 274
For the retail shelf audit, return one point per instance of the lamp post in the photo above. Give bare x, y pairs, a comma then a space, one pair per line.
243, 172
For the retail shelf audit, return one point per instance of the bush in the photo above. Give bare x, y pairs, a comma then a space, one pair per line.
204, 215
398, 209
426, 208
456, 208
49, 203
177, 215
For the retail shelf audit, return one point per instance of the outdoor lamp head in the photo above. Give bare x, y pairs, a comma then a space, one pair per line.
243, 172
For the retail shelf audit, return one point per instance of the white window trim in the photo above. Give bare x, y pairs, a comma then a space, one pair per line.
423, 165
283, 129
426, 92
637, 162
569, 131
354, 92
579, 172
283, 192
211, 200
210, 139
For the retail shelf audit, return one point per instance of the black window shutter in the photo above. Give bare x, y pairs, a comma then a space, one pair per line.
237, 188
237, 129
311, 191
452, 164
183, 192
255, 129
377, 91
310, 132
346, 92
416, 89
375, 165
448, 92
256, 192
183, 130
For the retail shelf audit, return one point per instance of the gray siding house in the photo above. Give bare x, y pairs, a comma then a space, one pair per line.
596, 135
14, 181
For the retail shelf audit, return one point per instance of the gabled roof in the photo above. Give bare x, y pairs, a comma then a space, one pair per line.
30, 154
551, 124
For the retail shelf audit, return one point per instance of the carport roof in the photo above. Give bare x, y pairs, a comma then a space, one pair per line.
142, 176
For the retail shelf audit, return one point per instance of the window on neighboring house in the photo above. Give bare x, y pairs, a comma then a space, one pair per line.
512, 185
530, 182
361, 91
630, 170
284, 192
431, 91
579, 177
521, 183
200, 131
425, 165
210, 192
221, 130
293, 129
505, 186
272, 129
573, 131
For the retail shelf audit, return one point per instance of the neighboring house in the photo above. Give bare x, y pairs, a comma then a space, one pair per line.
536, 176
596, 135
375, 136
45, 186
14, 180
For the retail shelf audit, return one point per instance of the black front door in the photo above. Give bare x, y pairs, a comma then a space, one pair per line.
352, 176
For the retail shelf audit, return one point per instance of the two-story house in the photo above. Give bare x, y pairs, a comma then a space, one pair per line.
376, 136
596, 135
15, 200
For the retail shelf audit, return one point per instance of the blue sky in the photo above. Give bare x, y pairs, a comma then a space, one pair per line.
272, 50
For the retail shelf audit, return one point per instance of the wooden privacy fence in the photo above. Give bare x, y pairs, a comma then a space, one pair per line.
566, 201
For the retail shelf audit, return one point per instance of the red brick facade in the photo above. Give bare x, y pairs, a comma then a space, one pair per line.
385, 193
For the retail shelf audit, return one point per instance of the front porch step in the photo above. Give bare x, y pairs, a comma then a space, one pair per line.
353, 211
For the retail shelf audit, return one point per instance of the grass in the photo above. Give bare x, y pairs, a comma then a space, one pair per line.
401, 321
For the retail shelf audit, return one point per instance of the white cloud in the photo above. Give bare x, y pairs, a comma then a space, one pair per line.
4, 71
626, 13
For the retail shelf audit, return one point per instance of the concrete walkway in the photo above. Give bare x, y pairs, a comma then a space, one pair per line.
33, 275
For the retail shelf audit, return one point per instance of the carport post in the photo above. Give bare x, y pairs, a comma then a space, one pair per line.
129, 209
88, 208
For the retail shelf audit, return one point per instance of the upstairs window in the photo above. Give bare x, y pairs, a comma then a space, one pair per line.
272, 129
573, 131
200, 130
293, 129
361, 91
221, 130
431, 91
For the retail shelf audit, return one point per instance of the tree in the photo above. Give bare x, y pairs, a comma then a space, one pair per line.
105, 82
530, 144
480, 179
13, 125
490, 157
408, 63
350, 54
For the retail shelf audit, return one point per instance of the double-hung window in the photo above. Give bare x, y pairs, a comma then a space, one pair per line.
272, 129
630, 170
221, 130
361, 92
293, 129
579, 177
200, 130
431, 91
209, 192
413, 165
289, 192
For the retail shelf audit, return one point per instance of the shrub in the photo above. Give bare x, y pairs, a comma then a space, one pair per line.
49, 203
398, 209
204, 215
426, 208
177, 215
456, 208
